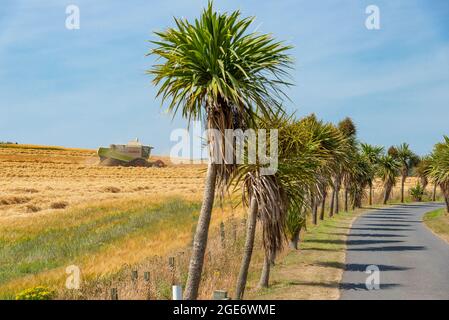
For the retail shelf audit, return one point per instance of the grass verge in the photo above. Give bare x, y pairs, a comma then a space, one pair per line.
438, 222
315, 270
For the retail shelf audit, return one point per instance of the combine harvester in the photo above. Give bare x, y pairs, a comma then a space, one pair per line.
133, 154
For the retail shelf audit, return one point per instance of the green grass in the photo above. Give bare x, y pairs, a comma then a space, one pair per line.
23, 254
438, 222
313, 271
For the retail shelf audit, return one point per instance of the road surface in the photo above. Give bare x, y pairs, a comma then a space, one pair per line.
413, 262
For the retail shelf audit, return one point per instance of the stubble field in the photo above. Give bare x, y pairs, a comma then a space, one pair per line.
42, 179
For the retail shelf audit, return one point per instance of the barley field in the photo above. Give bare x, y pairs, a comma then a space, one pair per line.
38, 180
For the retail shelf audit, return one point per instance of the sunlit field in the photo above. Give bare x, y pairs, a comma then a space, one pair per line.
38, 179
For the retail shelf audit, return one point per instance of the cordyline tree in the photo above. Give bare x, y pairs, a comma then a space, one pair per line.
439, 168
360, 174
266, 200
269, 196
407, 160
422, 171
388, 169
349, 131
371, 154
215, 70
324, 145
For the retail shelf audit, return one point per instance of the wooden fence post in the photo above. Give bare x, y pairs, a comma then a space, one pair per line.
172, 267
146, 278
222, 235
114, 294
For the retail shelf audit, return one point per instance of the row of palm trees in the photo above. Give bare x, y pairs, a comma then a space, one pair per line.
216, 70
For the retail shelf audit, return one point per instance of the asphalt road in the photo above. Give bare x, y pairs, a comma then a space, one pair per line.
413, 263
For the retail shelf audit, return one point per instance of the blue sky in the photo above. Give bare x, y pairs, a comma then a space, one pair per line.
87, 87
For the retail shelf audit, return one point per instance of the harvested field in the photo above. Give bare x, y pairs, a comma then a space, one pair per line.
46, 177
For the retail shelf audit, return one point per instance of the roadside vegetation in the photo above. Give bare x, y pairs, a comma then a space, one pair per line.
438, 222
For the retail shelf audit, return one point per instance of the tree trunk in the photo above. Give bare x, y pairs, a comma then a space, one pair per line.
402, 187
346, 199
265, 275
434, 194
200, 239
337, 201
387, 194
314, 210
294, 239
248, 251
331, 205
371, 194
446, 198
424, 183
323, 205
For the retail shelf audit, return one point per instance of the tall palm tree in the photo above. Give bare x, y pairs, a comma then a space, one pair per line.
349, 131
407, 159
361, 174
439, 168
422, 171
371, 154
388, 169
215, 70
272, 196
324, 148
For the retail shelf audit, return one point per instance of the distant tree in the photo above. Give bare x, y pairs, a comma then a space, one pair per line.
422, 171
439, 168
407, 159
388, 169
372, 155
349, 131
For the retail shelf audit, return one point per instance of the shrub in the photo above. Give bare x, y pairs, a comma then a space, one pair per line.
36, 293
417, 192
59, 205
111, 189
32, 208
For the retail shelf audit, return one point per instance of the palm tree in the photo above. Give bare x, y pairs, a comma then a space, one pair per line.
215, 70
272, 196
422, 171
361, 173
407, 160
349, 131
388, 169
323, 147
439, 168
371, 154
